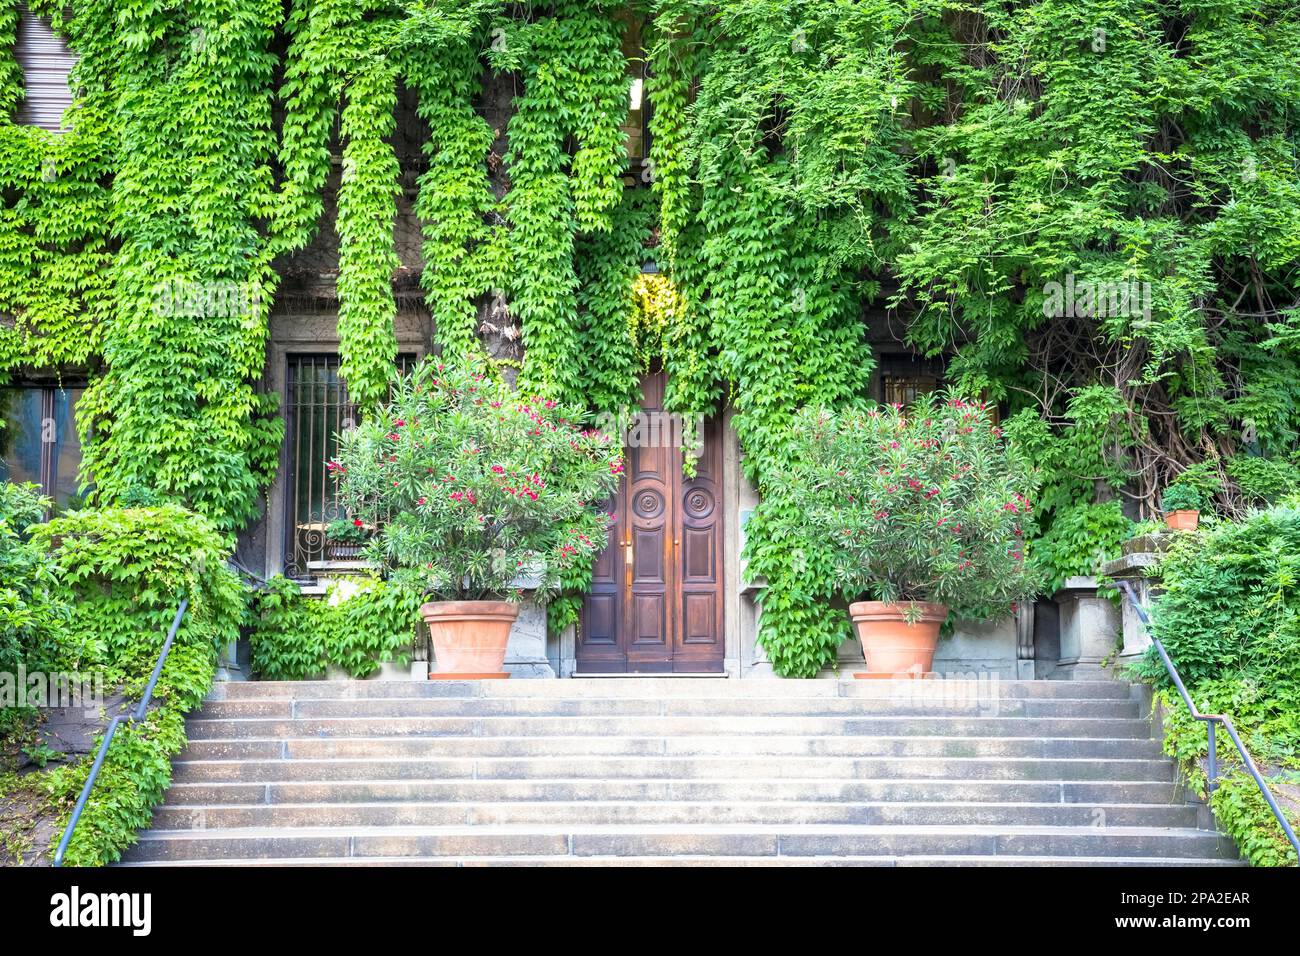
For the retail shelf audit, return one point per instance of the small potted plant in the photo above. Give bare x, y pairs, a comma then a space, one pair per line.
477, 487
345, 539
924, 512
1182, 505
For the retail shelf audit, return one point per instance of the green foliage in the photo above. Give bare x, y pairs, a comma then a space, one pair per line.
919, 505
33, 610
1230, 620
962, 162
1078, 523
1081, 538
1244, 814
1230, 602
472, 484
293, 637
127, 569
122, 573
455, 198
186, 91
137, 770
574, 92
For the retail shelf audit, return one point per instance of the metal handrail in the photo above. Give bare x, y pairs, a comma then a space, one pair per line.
112, 729
1212, 769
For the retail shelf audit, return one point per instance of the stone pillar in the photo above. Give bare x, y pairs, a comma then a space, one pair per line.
1138, 564
526, 651
1090, 630
1025, 640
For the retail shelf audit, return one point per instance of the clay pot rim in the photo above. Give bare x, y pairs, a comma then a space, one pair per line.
435, 610
895, 610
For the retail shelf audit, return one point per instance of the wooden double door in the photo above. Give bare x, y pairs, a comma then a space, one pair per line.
655, 605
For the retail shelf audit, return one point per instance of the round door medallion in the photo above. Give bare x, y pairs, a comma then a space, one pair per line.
699, 503
648, 504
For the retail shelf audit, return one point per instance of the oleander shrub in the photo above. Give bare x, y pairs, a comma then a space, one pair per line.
472, 484
926, 503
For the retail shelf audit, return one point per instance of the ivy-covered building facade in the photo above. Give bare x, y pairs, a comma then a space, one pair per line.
691, 218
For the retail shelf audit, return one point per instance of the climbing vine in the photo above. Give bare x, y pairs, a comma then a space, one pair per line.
455, 199
186, 90
574, 89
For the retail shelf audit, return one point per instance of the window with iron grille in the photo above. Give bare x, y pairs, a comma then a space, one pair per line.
317, 408
901, 379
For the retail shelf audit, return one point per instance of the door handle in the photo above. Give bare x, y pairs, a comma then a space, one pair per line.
627, 551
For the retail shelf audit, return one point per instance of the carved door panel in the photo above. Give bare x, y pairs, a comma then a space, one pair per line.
698, 565
656, 600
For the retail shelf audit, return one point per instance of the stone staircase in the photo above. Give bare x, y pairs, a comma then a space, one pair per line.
637, 771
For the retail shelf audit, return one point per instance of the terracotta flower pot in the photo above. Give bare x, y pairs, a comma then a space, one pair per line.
469, 637
1183, 520
890, 644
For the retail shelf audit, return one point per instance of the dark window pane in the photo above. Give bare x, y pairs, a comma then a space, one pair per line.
66, 448
20, 438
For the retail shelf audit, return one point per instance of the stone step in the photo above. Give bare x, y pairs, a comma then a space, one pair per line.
823, 745
666, 812
622, 726
732, 767
415, 707
711, 861
662, 688
679, 840
783, 789
664, 771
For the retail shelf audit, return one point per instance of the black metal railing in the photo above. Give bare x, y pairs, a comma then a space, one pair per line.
113, 724
1211, 765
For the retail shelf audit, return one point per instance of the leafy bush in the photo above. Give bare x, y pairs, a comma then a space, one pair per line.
1230, 619
1071, 531
33, 611
293, 637
1182, 498
125, 570
1251, 479
1080, 538
1231, 599
472, 484
922, 505
285, 639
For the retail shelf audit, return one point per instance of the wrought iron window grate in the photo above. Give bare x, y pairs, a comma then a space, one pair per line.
317, 408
